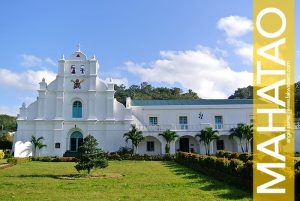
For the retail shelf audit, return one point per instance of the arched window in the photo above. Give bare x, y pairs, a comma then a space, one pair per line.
82, 69
77, 109
76, 140
73, 69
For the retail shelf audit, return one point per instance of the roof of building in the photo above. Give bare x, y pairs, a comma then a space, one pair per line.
191, 102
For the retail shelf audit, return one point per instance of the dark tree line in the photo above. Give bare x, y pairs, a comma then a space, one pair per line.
247, 93
146, 91
7, 123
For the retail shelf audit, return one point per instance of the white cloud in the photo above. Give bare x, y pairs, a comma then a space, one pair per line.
27, 80
200, 70
118, 81
50, 61
246, 52
13, 111
235, 26
29, 60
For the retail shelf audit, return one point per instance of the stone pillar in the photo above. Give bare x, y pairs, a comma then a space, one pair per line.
110, 100
61, 66
172, 148
59, 113
41, 99
92, 102
59, 138
23, 112
211, 145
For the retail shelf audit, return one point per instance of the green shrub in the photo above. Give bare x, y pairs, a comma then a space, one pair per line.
245, 157
2, 154
233, 171
14, 161
297, 165
7, 155
53, 159
145, 157
220, 154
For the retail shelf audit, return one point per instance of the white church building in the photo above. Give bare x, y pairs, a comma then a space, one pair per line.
78, 103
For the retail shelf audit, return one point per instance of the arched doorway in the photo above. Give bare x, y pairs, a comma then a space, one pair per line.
187, 143
76, 140
150, 145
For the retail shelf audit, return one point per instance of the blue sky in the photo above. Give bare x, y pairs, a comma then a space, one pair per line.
134, 41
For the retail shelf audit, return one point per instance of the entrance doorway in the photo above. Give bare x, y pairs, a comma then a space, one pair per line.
76, 140
184, 144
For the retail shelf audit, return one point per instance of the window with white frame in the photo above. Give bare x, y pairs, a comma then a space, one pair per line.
218, 122
183, 122
150, 145
152, 121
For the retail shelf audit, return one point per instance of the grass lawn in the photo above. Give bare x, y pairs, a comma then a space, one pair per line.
122, 180
2, 161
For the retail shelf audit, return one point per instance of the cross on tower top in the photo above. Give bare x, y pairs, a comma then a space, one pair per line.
78, 47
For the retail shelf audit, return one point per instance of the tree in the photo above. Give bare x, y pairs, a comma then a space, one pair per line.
207, 135
243, 93
135, 136
6, 141
90, 156
7, 123
242, 132
145, 91
37, 143
169, 136
248, 135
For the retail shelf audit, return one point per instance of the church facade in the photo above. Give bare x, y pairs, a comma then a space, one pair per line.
78, 103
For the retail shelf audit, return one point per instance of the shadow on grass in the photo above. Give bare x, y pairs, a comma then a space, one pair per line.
65, 176
71, 176
209, 183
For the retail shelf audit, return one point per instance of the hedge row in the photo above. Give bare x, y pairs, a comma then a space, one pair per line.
109, 156
145, 157
235, 155
14, 161
53, 159
233, 171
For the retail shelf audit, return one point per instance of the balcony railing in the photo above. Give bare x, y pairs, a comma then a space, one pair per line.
190, 127
174, 127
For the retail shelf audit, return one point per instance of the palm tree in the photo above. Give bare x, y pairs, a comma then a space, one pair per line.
242, 132
207, 135
37, 143
135, 136
169, 136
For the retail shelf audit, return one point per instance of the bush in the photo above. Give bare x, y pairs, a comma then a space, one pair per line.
7, 155
245, 157
124, 150
235, 155
2, 154
233, 171
53, 159
14, 161
227, 154
145, 157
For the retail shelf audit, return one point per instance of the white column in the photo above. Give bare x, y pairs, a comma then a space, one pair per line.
92, 102
172, 148
59, 105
